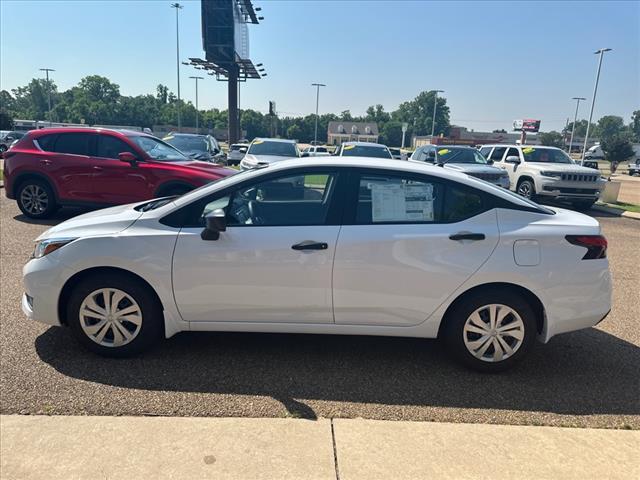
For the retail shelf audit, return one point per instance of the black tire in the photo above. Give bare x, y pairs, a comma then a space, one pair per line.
583, 205
527, 189
28, 191
151, 326
453, 333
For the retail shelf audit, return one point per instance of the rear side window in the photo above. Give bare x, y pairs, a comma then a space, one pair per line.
110, 147
46, 142
72, 143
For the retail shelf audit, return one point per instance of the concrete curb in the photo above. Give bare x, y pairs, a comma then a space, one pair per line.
618, 212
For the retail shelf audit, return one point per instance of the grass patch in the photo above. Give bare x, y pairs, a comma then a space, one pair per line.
629, 207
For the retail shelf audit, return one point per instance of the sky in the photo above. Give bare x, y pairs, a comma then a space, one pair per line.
496, 61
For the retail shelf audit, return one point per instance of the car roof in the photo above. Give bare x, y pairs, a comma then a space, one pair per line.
185, 135
118, 132
281, 140
467, 147
514, 145
365, 144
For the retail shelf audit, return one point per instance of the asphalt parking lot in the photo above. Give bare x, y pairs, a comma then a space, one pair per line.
587, 378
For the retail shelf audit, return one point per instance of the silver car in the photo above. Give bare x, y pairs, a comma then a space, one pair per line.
462, 159
264, 151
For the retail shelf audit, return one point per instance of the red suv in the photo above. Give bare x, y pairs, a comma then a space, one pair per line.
53, 167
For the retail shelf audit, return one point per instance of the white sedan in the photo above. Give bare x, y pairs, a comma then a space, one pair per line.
352, 246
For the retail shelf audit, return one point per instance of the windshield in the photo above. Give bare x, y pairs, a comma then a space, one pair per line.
460, 155
545, 155
188, 144
158, 150
365, 151
279, 149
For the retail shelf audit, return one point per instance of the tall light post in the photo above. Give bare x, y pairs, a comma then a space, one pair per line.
47, 70
178, 7
197, 111
593, 99
435, 106
317, 85
575, 119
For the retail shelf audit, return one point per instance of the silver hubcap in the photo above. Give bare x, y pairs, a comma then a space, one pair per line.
34, 199
493, 333
525, 190
110, 317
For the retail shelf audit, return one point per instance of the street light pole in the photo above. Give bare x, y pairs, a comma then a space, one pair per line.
317, 85
47, 70
593, 99
197, 111
575, 119
435, 105
178, 7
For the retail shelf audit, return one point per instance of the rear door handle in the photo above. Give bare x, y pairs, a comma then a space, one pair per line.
310, 245
45, 161
467, 236
99, 169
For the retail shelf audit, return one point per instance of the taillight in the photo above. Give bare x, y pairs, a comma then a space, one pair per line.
596, 245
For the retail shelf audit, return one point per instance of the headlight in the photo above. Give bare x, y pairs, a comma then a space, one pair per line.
551, 174
45, 247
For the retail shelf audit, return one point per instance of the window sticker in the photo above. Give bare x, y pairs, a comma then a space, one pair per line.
528, 150
258, 142
443, 151
169, 137
401, 202
349, 147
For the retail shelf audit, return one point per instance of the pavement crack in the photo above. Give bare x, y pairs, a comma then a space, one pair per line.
335, 451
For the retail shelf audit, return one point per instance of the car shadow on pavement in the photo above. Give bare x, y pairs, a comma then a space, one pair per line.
583, 373
59, 217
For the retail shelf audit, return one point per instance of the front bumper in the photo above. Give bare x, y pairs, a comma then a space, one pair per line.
42, 286
554, 188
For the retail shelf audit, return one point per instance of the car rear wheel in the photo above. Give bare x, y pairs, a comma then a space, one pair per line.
526, 189
114, 315
35, 199
490, 332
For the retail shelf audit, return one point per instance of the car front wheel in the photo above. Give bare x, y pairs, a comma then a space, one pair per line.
526, 189
490, 332
114, 315
35, 199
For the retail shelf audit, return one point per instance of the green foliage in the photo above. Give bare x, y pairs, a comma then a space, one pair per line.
6, 122
392, 133
609, 126
581, 128
552, 139
634, 126
616, 148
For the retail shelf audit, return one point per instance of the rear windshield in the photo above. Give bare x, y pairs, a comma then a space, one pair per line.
158, 150
365, 151
188, 144
279, 149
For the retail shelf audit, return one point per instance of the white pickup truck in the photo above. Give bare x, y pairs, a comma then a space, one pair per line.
538, 172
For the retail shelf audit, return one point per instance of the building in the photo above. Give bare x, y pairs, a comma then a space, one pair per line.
462, 136
338, 132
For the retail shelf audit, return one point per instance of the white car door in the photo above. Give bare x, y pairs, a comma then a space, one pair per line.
412, 241
272, 264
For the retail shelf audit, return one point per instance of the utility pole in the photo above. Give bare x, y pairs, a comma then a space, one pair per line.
197, 111
47, 70
178, 7
317, 85
435, 105
575, 119
593, 100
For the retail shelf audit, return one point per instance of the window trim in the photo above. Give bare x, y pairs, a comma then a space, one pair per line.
90, 144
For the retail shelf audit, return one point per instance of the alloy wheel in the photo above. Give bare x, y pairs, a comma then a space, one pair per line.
524, 189
34, 199
493, 333
110, 317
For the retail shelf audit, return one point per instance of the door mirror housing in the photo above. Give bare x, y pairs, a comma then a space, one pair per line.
512, 159
215, 223
304, 154
489, 162
128, 157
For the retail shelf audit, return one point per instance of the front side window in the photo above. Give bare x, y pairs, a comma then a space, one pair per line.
278, 149
365, 151
73, 143
158, 150
293, 200
497, 153
110, 147
485, 151
545, 155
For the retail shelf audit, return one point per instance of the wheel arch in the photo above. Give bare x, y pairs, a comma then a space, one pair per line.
23, 176
78, 277
525, 176
531, 298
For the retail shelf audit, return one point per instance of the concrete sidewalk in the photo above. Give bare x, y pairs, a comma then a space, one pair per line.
33, 447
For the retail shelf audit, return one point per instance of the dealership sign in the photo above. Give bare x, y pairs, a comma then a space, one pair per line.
526, 125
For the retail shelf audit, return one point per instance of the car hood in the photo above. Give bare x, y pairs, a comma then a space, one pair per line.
107, 221
472, 168
197, 154
204, 167
252, 160
560, 167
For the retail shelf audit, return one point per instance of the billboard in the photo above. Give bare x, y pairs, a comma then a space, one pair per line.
224, 34
526, 125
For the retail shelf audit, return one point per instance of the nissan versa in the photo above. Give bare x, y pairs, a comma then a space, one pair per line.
353, 246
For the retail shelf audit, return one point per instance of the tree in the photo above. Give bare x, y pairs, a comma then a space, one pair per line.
616, 149
635, 125
609, 126
392, 133
581, 128
419, 114
294, 132
500, 130
6, 122
162, 93
552, 139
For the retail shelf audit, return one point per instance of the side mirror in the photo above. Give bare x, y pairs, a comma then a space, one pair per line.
215, 223
128, 157
512, 159
305, 154
489, 162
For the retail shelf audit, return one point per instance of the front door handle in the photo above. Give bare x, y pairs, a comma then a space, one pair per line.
45, 161
99, 169
310, 245
467, 236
